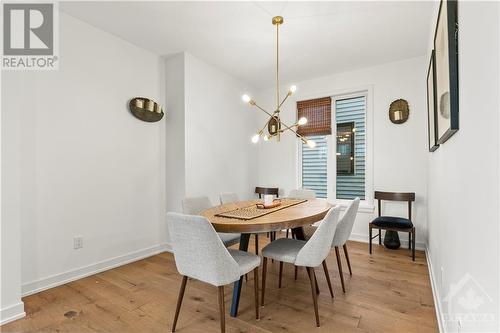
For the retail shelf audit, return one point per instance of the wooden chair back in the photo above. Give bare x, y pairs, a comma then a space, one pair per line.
394, 196
267, 190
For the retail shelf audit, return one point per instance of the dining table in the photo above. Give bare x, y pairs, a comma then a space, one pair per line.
293, 215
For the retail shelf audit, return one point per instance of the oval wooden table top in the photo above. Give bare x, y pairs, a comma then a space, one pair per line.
306, 213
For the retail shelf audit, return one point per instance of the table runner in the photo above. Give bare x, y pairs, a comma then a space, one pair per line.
252, 212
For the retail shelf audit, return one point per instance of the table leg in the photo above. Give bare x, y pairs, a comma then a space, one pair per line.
299, 233
244, 239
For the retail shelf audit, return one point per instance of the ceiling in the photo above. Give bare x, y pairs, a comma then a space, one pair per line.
316, 39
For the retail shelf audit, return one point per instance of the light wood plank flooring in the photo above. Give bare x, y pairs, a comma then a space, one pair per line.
386, 293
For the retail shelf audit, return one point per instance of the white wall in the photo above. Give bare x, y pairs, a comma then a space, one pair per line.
218, 155
11, 306
175, 132
399, 151
85, 165
463, 187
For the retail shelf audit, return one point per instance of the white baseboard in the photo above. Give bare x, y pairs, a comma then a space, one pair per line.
404, 242
12, 313
435, 293
75, 274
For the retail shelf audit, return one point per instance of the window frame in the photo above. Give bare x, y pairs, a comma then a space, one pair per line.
367, 204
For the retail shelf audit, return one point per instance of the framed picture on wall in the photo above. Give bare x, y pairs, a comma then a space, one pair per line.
446, 70
431, 105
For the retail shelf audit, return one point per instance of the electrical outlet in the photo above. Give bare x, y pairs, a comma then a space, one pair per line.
78, 242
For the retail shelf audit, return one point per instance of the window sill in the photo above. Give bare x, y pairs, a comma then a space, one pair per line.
364, 207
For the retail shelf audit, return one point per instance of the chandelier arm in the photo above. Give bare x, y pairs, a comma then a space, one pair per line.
263, 127
284, 99
270, 115
291, 129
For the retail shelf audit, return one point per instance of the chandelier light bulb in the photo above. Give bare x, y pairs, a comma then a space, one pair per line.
255, 138
311, 143
302, 121
246, 98
266, 137
292, 89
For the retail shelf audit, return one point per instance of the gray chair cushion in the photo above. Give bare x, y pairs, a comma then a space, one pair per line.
283, 249
246, 261
229, 239
392, 222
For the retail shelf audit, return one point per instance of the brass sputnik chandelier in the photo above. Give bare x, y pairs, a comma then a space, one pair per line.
274, 125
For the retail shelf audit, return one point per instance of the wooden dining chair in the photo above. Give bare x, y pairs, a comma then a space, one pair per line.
200, 254
393, 223
267, 190
308, 254
342, 234
195, 205
272, 191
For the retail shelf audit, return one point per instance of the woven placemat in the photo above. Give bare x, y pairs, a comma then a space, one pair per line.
252, 212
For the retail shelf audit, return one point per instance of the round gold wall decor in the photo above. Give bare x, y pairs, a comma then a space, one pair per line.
146, 109
399, 111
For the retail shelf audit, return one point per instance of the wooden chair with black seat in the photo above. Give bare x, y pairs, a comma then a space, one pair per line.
393, 224
272, 191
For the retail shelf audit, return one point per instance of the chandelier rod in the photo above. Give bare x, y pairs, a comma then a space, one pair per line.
277, 67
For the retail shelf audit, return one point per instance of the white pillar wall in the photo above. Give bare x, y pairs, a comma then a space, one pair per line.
11, 305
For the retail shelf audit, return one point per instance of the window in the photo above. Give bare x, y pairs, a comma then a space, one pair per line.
335, 168
315, 160
350, 121
315, 166
345, 148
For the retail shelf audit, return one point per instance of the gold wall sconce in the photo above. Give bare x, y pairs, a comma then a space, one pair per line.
399, 111
146, 109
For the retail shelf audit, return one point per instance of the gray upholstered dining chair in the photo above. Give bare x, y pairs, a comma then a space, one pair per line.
228, 197
200, 254
309, 254
195, 205
300, 194
342, 234
233, 197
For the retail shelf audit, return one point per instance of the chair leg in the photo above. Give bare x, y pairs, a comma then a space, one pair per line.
296, 269
315, 281
179, 301
256, 244
339, 263
221, 310
314, 293
409, 240
347, 258
413, 243
379, 236
256, 290
287, 232
325, 268
280, 274
264, 271
370, 232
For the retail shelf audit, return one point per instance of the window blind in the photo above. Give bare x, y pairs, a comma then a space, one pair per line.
352, 110
314, 166
319, 116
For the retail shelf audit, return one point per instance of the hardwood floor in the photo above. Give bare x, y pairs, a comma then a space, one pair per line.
386, 293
